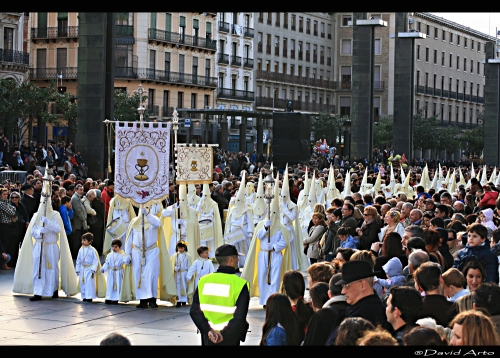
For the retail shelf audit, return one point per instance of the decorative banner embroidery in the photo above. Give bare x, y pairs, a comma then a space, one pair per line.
142, 161
194, 164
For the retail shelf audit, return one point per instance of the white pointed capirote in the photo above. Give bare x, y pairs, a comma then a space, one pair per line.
483, 176
240, 204
439, 178
461, 180
478, 176
285, 188
402, 178
453, 177
304, 193
407, 189
447, 179
347, 185
453, 184
423, 178
378, 185
389, 189
472, 175
275, 211
434, 181
493, 176
313, 197
333, 192
497, 180
365, 187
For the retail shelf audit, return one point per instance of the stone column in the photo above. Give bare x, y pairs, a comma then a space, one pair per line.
491, 107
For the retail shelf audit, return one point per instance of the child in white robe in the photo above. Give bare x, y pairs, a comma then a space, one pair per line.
201, 267
86, 266
181, 266
114, 263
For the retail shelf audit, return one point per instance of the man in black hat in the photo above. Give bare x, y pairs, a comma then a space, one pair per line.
29, 200
220, 317
357, 287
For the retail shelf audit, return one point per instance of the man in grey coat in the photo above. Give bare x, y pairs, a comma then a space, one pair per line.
79, 221
348, 221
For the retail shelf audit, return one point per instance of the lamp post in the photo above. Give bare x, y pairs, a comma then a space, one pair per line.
269, 196
140, 91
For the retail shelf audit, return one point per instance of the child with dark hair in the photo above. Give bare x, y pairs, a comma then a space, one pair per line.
293, 286
181, 262
114, 262
201, 267
87, 263
281, 327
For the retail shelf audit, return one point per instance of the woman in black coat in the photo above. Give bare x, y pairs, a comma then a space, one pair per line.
17, 229
368, 233
97, 228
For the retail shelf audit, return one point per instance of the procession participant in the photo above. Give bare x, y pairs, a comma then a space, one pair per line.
220, 314
268, 257
121, 210
288, 218
259, 206
201, 266
88, 267
114, 262
150, 266
47, 265
250, 193
192, 198
210, 222
239, 225
308, 210
180, 223
181, 262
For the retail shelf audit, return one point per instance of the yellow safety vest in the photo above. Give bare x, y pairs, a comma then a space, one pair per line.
218, 293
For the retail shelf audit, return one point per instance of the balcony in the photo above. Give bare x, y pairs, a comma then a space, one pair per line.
285, 25
179, 78
446, 94
18, 58
125, 72
124, 30
248, 62
176, 38
480, 100
54, 32
297, 105
268, 49
315, 33
248, 32
301, 29
308, 57
167, 111
300, 55
293, 27
321, 60
235, 61
292, 79
52, 73
343, 85
460, 97
437, 92
259, 47
315, 59
308, 31
269, 21
285, 52
223, 26
223, 59
379, 85
467, 97
229, 93
292, 54
323, 34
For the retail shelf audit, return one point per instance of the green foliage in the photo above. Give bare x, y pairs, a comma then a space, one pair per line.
382, 133
423, 131
447, 138
474, 140
126, 107
327, 125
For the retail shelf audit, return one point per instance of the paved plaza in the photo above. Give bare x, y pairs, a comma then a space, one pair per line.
69, 321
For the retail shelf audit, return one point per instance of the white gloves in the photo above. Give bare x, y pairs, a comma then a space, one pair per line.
44, 220
155, 209
144, 211
127, 260
268, 223
180, 222
176, 268
42, 230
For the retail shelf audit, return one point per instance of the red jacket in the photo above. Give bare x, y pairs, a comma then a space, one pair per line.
489, 199
106, 197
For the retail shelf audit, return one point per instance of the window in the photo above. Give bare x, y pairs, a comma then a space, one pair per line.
345, 78
285, 20
301, 24
449, 113
206, 100
471, 67
479, 47
451, 60
329, 31
442, 58
235, 18
444, 35
465, 65
246, 19
426, 80
261, 17
442, 112
435, 57
478, 68
165, 103
426, 54
376, 17
269, 18
193, 100
428, 30
283, 68
378, 47
62, 24
457, 111
194, 68
278, 18
153, 20
451, 38
465, 42
472, 44
208, 68
417, 105
345, 106
308, 26
152, 59
418, 77
293, 22
418, 52
62, 58
41, 58
315, 28
151, 97
419, 26
346, 47
458, 62
285, 47
458, 40
376, 108
167, 63
436, 33
426, 108
434, 109
168, 22
180, 99
322, 29
345, 21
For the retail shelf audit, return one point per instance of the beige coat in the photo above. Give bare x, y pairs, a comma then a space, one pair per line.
315, 234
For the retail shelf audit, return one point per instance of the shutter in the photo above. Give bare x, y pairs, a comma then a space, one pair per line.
346, 46
153, 20
196, 24
62, 59
41, 58
168, 22
42, 24
62, 16
377, 46
376, 74
182, 21
345, 101
345, 70
209, 27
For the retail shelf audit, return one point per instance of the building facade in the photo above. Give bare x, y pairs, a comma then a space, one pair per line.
14, 60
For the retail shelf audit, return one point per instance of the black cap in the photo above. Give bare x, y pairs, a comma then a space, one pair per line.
227, 250
354, 271
26, 187
110, 182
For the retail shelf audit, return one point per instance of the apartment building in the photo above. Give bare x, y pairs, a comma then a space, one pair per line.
171, 54
293, 55
14, 60
235, 72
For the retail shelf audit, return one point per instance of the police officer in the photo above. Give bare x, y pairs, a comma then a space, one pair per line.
220, 302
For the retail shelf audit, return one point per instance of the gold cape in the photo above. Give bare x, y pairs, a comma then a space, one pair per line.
251, 264
189, 284
166, 282
100, 282
131, 213
23, 276
193, 229
217, 225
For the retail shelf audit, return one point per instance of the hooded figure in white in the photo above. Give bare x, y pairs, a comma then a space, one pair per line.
239, 224
250, 194
120, 209
332, 192
289, 218
193, 199
320, 191
303, 199
210, 222
259, 206
45, 240
308, 210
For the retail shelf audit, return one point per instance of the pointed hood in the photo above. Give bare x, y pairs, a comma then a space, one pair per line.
407, 189
312, 198
275, 211
403, 176
347, 185
427, 183
461, 181
472, 174
259, 205
46, 200
493, 176
207, 201
206, 190
183, 199
483, 176
240, 203
497, 181
434, 181
447, 179
453, 182
378, 184
285, 188
439, 178
193, 199
302, 201
478, 176
249, 189
333, 192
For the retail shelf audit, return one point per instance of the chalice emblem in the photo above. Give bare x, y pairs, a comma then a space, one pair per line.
194, 166
142, 167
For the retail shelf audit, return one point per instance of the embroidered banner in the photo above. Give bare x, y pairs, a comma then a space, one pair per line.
142, 161
194, 164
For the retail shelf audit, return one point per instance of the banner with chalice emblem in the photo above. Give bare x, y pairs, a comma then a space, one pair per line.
142, 161
194, 164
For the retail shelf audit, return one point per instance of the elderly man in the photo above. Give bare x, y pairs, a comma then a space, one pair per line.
405, 214
410, 232
79, 221
416, 217
459, 207
384, 209
220, 200
357, 287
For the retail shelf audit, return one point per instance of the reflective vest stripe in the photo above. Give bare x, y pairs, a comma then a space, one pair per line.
216, 289
215, 308
218, 327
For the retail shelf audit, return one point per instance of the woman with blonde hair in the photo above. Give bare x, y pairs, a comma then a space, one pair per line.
315, 234
368, 233
473, 328
465, 303
392, 219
